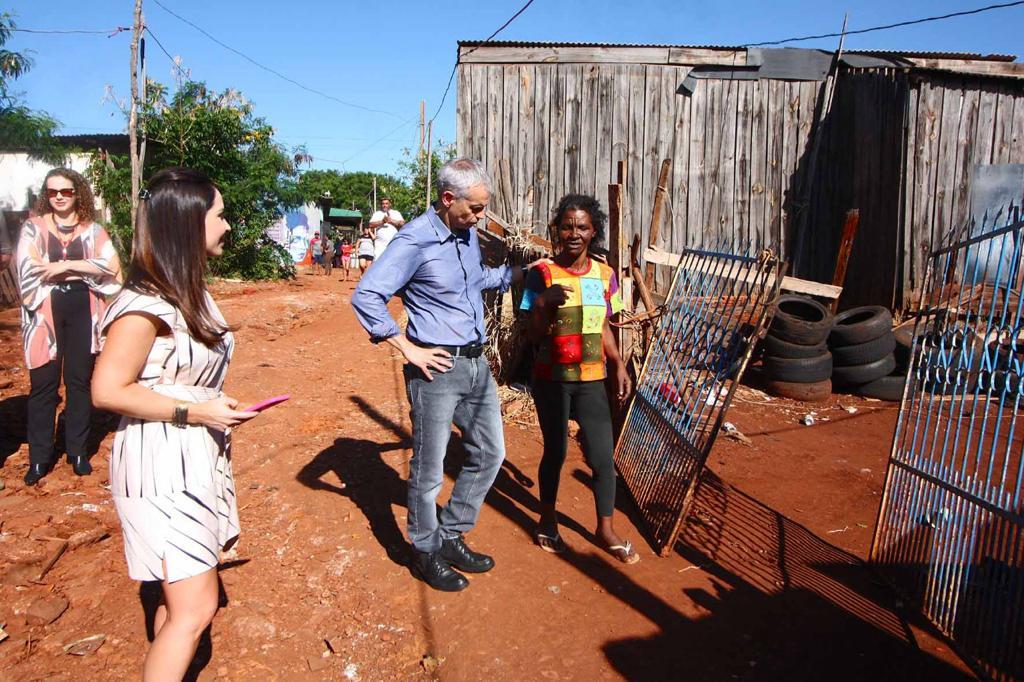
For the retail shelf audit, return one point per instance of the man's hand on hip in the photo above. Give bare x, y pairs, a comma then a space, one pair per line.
425, 359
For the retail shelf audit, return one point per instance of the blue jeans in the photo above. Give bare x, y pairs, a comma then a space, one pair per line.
466, 396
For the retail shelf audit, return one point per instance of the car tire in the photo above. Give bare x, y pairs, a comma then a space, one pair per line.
888, 388
863, 353
813, 392
799, 370
781, 348
860, 325
858, 375
800, 320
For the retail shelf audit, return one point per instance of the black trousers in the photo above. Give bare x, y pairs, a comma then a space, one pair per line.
73, 327
587, 403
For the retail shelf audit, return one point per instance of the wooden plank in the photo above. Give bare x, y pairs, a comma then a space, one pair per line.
589, 131
775, 186
742, 190
573, 94
651, 158
541, 143
971, 66
700, 264
1017, 141
695, 225
988, 97
758, 163
559, 54
911, 258
713, 130
605, 124
466, 130
480, 135
495, 84
523, 174
655, 228
945, 167
966, 137
1004, 131
634, 166
726, 169
679, 193
620, 132
845, 249
667, 118
557, 148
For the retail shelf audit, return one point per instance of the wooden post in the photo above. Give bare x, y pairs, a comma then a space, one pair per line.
659, 201
142, 145
845, 249
423, 126
430, 160
133, 114
505, 182
374, 192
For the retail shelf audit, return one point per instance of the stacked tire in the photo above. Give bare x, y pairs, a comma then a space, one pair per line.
797, 362
862, 345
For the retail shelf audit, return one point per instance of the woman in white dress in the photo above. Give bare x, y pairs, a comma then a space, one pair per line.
166, 350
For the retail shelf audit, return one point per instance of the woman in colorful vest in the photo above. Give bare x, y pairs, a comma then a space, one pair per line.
570, 301
66, 268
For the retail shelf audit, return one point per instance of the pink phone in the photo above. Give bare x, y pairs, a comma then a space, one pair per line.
264, 404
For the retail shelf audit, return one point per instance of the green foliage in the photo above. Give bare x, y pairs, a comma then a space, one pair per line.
20, 127
414, 168
353, 190
218, 134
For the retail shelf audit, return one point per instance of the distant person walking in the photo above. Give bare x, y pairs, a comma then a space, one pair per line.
66, 267
385, 224
364, 250
316, 252
328, 253
347, 256
435, 266
165, 356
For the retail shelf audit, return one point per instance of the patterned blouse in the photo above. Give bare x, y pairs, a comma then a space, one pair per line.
38, 336
574, 348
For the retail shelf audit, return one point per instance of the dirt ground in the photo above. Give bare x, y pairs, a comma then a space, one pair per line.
767, 583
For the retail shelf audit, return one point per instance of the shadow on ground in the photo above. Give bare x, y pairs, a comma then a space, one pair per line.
786, 604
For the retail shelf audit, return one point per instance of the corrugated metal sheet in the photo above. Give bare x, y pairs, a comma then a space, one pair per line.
890, 53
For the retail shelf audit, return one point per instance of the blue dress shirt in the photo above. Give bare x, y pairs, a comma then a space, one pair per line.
440, 277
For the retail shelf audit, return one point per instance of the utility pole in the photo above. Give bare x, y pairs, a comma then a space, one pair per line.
423, 127
430, 151
133, 115
374, 192
142, 100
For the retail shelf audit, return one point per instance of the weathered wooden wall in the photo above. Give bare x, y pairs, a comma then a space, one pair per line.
736, 146
900, 146
897, 144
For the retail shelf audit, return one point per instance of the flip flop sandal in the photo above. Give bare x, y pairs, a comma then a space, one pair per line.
549, 543
624, 552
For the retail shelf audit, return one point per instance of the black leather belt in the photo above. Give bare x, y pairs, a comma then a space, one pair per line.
470, 350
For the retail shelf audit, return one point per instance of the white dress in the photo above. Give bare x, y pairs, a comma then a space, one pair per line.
173, 487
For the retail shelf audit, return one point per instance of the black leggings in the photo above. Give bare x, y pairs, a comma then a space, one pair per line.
587, 403
73, 326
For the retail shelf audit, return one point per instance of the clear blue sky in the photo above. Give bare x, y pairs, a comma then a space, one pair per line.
390, 55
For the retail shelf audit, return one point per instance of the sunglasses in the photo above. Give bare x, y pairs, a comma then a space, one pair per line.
67, 193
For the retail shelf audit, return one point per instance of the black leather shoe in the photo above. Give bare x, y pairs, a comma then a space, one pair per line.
36, 472
436, 572
80, 465
457, 554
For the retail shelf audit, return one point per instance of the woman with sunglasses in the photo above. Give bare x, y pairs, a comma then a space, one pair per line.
570, 301
66, 267
165, 356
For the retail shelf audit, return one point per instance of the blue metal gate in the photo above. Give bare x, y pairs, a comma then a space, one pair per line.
950, 532
717, 307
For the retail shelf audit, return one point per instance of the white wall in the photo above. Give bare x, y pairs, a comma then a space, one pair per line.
18, 174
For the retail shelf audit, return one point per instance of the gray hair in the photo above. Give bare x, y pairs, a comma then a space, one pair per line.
459, 175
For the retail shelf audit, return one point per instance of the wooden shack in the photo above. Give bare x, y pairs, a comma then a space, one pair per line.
897, 139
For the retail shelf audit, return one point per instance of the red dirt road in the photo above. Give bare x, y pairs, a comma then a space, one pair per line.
768, 583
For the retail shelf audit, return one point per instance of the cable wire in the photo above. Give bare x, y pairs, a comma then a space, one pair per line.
888, 26
270, 70
109, 33
468, 52
174, 62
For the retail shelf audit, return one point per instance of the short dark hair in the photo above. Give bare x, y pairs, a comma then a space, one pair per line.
582, 202
169, 248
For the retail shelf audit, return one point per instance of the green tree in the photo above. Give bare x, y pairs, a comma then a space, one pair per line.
21, 127
414, 170
353, 189
220, 135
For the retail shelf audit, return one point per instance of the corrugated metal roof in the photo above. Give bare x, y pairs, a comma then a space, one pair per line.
973, 56
518, 43
893, 53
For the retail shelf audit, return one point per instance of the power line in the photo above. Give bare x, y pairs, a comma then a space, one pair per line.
379, 139
270, 70
486, 40
174, 62
109, 33
896, 25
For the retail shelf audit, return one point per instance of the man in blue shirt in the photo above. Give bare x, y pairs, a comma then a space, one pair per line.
434, 265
